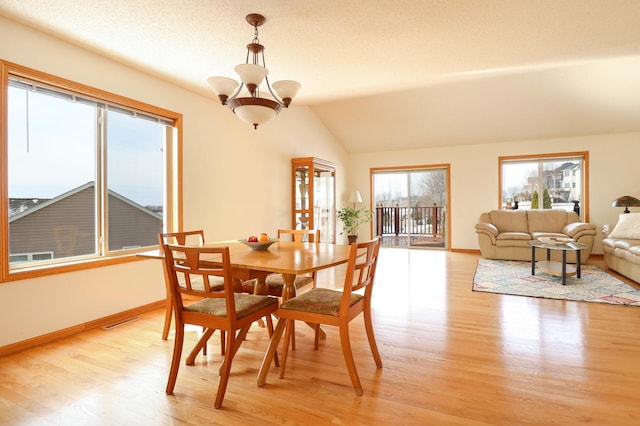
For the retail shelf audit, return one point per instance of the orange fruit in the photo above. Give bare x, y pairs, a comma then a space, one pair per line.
263, 238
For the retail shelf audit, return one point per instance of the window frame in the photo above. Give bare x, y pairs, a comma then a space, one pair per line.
173, 173
584, 206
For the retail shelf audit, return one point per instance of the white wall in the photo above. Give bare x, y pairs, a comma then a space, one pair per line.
613, 171
237, 181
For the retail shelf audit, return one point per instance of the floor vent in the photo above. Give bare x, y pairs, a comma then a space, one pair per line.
118, 324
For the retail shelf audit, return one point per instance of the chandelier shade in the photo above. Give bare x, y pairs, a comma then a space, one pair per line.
254, 109
251, 74
286, 90
223, 86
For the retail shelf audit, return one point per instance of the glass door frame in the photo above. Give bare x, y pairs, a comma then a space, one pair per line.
378, 229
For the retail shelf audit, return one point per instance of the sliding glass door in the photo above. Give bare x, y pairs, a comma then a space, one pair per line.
410, 207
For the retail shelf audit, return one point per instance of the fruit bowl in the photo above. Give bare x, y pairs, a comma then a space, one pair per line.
259, 245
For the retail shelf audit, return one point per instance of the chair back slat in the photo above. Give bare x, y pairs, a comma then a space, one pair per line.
298, 235
199, 264
183, 238
361, 269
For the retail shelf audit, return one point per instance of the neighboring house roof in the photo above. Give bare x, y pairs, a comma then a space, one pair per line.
38, 204
19, 205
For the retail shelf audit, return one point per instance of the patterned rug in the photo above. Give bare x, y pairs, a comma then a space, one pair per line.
514, 277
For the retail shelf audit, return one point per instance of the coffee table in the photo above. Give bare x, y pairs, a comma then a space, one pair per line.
560, 269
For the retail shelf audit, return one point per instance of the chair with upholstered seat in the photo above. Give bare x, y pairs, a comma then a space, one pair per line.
224, 310
337, 308
195, 238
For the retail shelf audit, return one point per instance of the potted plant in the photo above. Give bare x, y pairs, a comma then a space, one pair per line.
351, 219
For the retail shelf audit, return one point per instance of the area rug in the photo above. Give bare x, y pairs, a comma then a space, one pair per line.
514, 277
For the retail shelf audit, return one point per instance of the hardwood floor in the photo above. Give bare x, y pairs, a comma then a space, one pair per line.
451, 356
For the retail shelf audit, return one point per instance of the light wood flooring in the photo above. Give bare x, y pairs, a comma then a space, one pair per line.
451, 357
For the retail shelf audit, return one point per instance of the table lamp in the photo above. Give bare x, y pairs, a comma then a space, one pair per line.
626, 201
357, 198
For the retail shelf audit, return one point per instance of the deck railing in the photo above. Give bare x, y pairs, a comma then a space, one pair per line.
409, 220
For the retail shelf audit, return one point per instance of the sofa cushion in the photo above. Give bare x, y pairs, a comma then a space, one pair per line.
547, 220
635, 251
514, 243
608, 242
625, 244
509, 220
628, 227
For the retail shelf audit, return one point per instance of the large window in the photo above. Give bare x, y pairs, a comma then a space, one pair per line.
87, 175
550, 181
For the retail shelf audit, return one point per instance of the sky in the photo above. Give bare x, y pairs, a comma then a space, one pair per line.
52, 149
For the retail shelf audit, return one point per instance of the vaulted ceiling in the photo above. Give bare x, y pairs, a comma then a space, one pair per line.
393, 74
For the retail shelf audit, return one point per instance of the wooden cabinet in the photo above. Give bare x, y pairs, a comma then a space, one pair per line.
314, 196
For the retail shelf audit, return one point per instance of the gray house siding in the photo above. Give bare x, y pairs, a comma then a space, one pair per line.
66, 225
130, 226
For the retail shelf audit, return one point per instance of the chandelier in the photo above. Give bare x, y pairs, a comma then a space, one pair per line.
254, 109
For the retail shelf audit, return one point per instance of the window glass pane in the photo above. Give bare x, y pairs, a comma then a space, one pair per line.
519, 183
563, 183
135, 180
551, 183
42, 256
18, 258
51, 174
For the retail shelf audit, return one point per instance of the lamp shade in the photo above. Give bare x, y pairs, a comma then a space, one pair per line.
287, 89
254, 111
355, 197
223, 85
251, 73
626, 201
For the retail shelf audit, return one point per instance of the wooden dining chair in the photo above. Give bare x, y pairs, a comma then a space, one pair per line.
195, 237
337, 308
218, 309
275, 282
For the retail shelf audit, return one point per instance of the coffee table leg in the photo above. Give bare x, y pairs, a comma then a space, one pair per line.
533, 260
578, 262
564, 267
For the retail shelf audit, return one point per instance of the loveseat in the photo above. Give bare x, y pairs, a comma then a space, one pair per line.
505, 234
621, 246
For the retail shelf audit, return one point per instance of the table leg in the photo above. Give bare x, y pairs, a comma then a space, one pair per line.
289, 289
578, 263
261, 287
533, 260
564, 267
203, 341
271, 352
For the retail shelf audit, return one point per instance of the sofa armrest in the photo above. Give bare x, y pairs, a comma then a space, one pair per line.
486, 235
577, 229
607, 229
486, 228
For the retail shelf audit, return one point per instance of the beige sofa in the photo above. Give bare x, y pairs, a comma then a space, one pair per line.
621, 246
505, 234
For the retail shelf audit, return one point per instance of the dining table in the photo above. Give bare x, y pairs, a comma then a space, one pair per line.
283, 257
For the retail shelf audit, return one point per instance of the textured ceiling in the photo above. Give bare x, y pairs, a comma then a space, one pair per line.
391, 74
